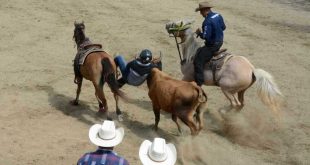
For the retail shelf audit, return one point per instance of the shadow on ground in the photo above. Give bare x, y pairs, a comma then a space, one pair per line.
83, 112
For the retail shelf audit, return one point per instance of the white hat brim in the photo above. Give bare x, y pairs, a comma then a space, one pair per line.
145, 159
95, 139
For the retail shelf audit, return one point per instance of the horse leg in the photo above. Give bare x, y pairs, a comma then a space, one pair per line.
232, 98
229, 97
238, 104
78, 91
118, 110
103, 107
241, 98
175, 119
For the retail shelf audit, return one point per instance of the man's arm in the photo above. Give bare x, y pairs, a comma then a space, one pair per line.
223, 24
206, 32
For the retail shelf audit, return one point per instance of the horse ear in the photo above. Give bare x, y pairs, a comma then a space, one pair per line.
83, 22
160, 55
75, 23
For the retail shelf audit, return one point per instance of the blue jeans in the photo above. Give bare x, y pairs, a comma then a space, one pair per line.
203, 56
121, 63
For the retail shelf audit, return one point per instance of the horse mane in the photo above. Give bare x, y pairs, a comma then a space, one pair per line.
189, 46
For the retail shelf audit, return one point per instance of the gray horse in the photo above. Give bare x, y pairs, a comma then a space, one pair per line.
236, 75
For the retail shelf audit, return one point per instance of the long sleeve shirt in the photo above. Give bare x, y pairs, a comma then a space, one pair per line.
212, 28
102, 156
138, 72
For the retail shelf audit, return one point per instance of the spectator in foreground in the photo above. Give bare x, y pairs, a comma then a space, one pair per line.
157, 152
105, 136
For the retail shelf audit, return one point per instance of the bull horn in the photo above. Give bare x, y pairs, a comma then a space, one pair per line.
136, 57
160, 55
156, 60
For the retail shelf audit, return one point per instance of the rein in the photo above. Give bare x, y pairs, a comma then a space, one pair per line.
178, 29
177, 43
182, 61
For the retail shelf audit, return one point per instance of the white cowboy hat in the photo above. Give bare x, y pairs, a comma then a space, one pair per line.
157, 153
106, 135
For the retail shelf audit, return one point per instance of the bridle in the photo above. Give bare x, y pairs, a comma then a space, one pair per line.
177, 43
174, 32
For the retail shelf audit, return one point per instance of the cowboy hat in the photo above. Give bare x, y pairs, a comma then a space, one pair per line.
157, 152
203, 5
106, 135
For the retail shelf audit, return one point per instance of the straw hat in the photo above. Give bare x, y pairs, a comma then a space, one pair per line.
157, 152
106, 135
203, 5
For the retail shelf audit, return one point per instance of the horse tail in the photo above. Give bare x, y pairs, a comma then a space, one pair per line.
267, 89
108, 75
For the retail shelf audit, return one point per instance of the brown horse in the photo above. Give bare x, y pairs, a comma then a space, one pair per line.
98, 67
234, 78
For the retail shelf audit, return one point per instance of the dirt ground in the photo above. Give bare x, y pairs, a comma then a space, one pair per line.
39, 126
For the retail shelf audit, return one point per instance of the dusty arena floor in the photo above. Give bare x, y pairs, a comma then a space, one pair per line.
39, 126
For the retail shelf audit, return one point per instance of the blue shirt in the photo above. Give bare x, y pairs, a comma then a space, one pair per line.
212, 28
140, 68
100, 157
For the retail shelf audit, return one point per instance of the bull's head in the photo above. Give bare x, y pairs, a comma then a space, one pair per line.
177, 28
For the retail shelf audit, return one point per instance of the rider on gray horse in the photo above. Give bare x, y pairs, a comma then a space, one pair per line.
212, 32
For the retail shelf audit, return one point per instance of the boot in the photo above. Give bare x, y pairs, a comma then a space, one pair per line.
121, 82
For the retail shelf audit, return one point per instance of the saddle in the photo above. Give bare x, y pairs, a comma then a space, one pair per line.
83, 52
217, 62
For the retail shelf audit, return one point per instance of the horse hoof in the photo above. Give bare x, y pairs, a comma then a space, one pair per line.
109, 118
74, 102
102, 110
155, 128
223, 111
120, 117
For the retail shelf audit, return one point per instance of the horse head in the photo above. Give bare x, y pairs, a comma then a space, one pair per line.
79, 33
179, 28
182, 29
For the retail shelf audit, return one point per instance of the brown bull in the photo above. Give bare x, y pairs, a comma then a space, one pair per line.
182, 99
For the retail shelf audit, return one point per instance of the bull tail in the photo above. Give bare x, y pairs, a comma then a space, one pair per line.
201, 107
108, 75
202, 96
